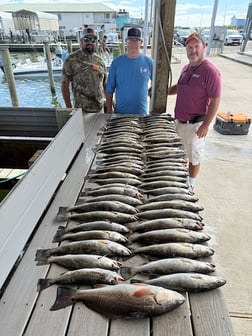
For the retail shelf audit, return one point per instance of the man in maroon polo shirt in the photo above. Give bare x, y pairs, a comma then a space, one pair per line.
198, 95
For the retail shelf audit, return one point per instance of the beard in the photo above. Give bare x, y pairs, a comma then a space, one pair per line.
89, 48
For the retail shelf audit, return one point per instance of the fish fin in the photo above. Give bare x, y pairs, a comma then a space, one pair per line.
65, 297
126, 272
42, 254
42, 284
60, 232
62, 214
99, 285
153, 276
133, 281
134, 237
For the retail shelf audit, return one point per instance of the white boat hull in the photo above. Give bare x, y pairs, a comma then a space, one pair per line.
36, 69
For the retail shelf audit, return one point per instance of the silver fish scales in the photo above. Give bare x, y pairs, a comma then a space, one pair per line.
170, 235
168, 266
165, 223
94, 234
192, 282
83, 276
167, 250
174, 204
100, 205
98, 225
76, 261
114, 216
101, 247
168, 213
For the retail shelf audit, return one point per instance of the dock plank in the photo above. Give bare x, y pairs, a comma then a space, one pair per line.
176, 322
22, 285
46, 322
85, 322
122, 327
209, 314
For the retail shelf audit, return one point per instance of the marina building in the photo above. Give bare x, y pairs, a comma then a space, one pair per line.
72, 17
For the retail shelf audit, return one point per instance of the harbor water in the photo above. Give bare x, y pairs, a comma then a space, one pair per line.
35, 91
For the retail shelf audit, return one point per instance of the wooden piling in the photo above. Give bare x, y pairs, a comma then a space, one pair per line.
9, 75
50, 70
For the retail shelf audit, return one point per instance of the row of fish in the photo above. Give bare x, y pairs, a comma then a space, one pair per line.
139, 205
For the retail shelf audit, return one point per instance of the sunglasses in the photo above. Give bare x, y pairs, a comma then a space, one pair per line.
89, 39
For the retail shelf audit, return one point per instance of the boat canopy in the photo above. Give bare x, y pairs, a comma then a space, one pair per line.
6, 23
35, 21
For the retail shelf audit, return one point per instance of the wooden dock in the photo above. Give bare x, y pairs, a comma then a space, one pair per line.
23, 310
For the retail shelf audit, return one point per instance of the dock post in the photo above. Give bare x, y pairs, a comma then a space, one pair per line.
9, 75
69, 46
50, 70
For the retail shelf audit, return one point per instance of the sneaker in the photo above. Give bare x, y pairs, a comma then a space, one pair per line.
191, 189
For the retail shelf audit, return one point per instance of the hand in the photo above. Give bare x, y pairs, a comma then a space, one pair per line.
202, 131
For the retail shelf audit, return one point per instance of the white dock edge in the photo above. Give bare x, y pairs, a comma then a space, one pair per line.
21, 210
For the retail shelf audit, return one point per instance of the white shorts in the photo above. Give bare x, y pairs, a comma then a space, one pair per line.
193, 145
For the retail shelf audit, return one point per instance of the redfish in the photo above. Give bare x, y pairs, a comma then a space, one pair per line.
130, 301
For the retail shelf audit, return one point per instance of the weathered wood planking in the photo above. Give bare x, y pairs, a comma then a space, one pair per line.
67, 196
177, 322
209, 314
20, 297
25, 312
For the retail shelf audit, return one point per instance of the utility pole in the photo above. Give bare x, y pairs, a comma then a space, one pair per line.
146, 32
162, 51
212, 27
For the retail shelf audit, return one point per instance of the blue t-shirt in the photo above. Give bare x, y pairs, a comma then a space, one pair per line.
129, 79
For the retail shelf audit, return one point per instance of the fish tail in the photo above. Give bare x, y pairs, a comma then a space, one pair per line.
86, 192
60, 232
127, 272
62, 214
42, 254
43, 261
132, 238
65, 297
43, 284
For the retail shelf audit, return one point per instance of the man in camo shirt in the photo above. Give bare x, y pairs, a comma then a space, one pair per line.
86, 71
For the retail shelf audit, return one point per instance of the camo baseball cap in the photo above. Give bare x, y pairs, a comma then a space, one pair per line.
89, 32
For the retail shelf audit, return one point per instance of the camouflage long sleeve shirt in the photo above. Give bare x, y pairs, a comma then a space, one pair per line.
87, 74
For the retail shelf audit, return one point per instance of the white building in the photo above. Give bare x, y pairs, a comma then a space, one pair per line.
72, 17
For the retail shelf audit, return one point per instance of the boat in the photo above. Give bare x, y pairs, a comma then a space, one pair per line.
35, 69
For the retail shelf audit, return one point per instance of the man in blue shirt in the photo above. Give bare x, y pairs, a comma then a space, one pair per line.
129, 77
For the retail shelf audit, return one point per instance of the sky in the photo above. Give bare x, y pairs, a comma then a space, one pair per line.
191, 13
